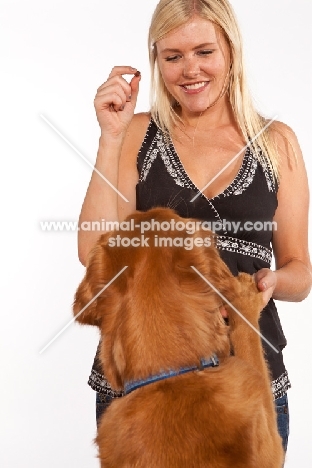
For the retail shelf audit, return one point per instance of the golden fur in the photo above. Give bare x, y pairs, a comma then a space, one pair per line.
160, 314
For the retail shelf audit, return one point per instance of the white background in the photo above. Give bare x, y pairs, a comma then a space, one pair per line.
55, 54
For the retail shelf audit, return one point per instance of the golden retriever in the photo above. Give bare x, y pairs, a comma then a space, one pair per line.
160, 324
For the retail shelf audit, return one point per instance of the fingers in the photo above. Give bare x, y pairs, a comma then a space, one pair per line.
122, 70
112, 96
116, 91
265, 279
134, 84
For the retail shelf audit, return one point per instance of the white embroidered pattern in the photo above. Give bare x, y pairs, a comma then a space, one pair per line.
268, 176
280, 385
244, 177
99, 383
176, 169
231, 244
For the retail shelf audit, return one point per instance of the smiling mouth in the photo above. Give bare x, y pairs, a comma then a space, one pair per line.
195, 86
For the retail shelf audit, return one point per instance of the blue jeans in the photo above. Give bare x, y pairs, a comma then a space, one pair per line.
283, 419
103, 401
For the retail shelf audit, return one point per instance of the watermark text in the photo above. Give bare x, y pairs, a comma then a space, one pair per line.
190, 227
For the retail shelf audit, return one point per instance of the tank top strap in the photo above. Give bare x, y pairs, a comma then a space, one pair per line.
146, 144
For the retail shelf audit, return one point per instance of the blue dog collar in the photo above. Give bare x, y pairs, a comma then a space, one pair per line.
213, 361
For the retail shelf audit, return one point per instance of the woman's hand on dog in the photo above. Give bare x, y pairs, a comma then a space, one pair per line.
266, 282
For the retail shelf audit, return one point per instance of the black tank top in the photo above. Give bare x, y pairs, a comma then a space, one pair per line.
241, 215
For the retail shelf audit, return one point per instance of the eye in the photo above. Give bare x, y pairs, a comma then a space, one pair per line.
205, 52
172, 58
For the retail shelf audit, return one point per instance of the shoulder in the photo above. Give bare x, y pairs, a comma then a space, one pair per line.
128, 173
292, 170
286, 144
142, 118
282, 132
134, 138
135, 135
138, 127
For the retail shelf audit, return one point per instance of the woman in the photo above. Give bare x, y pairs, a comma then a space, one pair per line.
208, 154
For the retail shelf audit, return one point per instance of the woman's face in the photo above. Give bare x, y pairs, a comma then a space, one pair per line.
194, 61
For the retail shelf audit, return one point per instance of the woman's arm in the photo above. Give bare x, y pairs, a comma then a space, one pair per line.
120, 139
293, 278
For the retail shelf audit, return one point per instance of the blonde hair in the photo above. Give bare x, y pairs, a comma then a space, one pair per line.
171, 14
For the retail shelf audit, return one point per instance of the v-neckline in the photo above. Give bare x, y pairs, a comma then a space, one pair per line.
228, 188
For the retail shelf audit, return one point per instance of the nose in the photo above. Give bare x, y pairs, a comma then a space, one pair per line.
191, 68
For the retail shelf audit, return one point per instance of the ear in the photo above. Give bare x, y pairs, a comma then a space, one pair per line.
85, 307
113, 359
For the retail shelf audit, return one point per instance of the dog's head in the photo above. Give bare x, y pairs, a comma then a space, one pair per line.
154, 294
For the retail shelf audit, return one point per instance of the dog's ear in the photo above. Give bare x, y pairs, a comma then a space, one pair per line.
97, 275
113, 359
96, 304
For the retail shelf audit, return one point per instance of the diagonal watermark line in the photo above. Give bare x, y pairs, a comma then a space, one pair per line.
82, 310
234, 158
235, 310
83, 157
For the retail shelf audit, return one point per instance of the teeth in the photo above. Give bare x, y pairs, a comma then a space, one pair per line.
195, 85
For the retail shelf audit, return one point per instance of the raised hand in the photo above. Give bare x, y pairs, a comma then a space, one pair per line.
115, 102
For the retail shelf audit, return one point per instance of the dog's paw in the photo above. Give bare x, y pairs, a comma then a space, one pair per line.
248, 300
